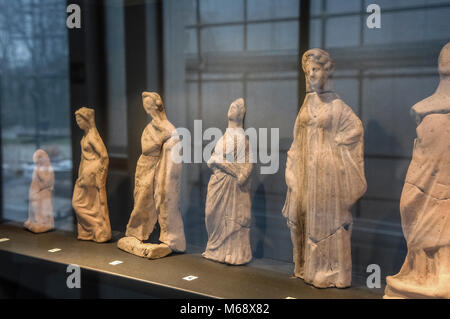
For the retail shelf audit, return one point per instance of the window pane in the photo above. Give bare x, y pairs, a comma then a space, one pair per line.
273, 36
217, 11
117, 114
389, 4
34, 101
339, 6
225, 39
274, 99
343, 32
315, 33
387, 101
272, 9
191, 41
190, 12
411, 26
216, 99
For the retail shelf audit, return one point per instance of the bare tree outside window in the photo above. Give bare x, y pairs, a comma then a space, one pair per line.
34, 98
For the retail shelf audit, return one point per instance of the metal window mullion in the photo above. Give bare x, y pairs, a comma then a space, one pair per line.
199, 93
237, 23
304, 22
245, 38
324, 19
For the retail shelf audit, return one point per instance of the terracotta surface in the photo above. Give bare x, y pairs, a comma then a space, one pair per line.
325, 177
425, 201
89, 195
40, 207
157, 188
228, 206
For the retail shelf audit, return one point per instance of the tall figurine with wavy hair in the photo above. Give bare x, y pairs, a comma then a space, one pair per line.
425, 200
325, 177
156, 188
89, 195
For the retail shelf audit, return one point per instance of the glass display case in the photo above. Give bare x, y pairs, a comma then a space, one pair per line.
340, 172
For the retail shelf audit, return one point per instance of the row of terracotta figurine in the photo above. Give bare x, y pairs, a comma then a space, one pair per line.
324, 175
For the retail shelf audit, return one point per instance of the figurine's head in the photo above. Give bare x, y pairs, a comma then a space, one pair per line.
444, 61
318, 68
85, 118
40, 157
237, 110
153, 104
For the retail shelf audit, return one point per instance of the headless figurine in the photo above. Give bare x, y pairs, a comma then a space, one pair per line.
40, 208
425, 200
89, 195
228, 206
156, 189
325, 177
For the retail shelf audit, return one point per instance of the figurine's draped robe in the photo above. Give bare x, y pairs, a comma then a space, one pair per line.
40, 209
156, 189
89, 196
425, 206
325, 167
228, 206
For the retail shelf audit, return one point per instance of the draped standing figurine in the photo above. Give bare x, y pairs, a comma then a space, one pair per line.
325, 177
156, 188
40, 208
228, 206
89, 195
425, 200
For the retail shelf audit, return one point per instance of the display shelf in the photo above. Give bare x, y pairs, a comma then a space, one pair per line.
26, 257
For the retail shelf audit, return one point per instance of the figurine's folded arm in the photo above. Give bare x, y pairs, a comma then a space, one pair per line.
290, 172
290, 169
80, 169
99, 148
245, 169
221, 164
45, 178
228, 168
350, 128
240, 171
212, 160
352, 137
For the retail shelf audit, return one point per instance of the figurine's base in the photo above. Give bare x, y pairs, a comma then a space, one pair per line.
424, 274
100, 234
36, 228
224, 261
92, 238
397, 288
322, 285
136, 247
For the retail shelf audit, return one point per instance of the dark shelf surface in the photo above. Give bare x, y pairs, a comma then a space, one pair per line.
214, 280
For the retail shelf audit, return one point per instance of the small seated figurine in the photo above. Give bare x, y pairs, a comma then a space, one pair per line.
40, 208
89, 195
156, 189
228, 205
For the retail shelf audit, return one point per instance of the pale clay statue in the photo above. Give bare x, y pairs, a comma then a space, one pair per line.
40, 208
157, 188
89, 195
425, 200
228, 206
325, 177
